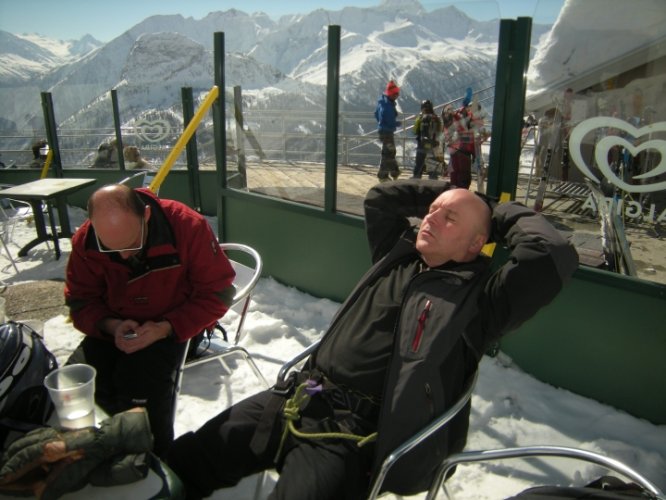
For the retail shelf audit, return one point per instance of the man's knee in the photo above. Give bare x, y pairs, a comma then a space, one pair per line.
185, 459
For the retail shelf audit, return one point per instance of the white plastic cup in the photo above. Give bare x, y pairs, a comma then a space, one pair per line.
72, 390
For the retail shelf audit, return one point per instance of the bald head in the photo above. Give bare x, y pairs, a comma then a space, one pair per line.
455, 229
115, 197
119, 217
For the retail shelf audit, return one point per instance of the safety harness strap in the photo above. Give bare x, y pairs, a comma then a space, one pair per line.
291, 413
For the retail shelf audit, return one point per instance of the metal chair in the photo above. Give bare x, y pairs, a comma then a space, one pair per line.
136, 180
139, 179
245, 281
538, 451
471, 456
477, 456
3, 240
11, 213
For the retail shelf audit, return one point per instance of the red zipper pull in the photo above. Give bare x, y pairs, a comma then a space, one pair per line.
416, 342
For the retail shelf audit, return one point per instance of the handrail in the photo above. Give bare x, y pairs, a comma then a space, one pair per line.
183, 139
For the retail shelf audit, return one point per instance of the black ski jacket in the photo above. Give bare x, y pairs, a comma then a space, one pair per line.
449, 317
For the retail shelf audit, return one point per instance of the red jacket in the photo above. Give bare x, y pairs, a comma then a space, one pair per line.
185, 277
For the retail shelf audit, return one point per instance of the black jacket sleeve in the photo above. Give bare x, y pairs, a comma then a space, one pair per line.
541, 260
388, 207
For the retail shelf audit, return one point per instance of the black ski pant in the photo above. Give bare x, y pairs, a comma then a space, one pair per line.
388, 165
425, 156
145, 378
222, 452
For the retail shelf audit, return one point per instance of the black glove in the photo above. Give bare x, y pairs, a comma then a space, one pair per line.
49, 463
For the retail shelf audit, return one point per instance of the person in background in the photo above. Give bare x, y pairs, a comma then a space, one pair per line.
386, 115
427, 128
133, 159
107, 155
460, 142
481, 134
40, 150
400, 350
144, 276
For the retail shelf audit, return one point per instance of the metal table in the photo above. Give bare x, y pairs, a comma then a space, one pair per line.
50, 191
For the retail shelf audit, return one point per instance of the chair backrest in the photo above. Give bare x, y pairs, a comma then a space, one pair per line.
4, 234
11, 212
245, 281
136, 180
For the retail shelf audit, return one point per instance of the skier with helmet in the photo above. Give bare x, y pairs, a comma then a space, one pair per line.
386, 115
427, 127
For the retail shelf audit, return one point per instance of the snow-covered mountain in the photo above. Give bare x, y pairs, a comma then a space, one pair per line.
279, 64
24, 57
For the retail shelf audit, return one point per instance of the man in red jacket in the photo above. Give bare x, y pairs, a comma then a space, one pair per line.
144, 276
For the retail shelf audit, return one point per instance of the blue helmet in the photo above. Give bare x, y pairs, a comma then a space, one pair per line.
24, 362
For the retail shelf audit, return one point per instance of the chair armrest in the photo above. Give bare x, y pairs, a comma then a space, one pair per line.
282, 374
542, 451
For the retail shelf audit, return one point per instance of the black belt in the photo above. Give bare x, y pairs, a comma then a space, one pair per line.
337, 396
362, 406
343, 398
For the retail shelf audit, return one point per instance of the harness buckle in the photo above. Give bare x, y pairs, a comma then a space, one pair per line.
285, 387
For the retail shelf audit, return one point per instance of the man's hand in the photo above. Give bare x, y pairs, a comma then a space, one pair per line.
146, 334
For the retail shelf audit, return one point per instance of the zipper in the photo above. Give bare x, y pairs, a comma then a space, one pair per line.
429, 399
420, 326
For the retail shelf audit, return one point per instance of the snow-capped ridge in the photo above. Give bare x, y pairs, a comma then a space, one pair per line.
149, 62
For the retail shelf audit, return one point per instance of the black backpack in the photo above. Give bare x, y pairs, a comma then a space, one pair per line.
428, 130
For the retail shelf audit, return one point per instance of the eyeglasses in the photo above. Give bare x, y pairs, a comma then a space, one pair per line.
103, 249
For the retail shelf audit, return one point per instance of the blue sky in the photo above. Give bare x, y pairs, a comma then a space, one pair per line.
71, 19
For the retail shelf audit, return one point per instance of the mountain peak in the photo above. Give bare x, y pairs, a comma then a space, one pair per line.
411, 6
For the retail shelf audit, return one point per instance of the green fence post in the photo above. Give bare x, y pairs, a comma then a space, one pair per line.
332, 105
52, 132
219, 125
116, 125
510, 86
191, 149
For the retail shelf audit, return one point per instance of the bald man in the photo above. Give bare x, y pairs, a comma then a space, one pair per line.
398, 353
144, 276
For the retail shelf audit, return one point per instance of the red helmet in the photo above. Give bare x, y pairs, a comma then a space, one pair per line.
392, 90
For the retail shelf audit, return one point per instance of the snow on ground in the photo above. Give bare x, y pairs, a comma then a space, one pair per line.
509, 407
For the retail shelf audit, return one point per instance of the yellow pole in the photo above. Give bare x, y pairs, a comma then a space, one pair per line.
182, 140
489, 248
47, 164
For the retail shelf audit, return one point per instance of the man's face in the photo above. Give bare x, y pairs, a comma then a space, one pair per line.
120, 231
454, 229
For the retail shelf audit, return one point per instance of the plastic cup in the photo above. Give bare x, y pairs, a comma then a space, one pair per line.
72, 390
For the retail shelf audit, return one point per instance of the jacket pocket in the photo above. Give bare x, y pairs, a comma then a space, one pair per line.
421, 326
